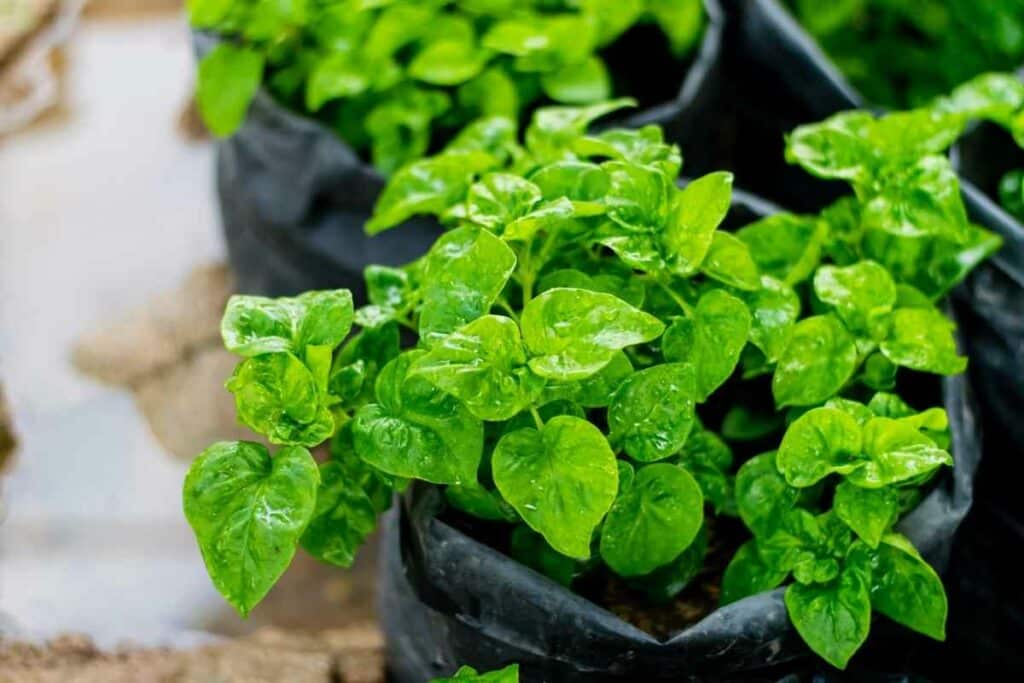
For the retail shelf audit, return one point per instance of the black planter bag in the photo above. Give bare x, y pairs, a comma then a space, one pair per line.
446, 599
780, 78
294, 197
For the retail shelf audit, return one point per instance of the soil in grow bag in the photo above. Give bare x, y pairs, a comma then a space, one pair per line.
294, 196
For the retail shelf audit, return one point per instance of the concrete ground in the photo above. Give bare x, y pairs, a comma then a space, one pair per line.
103, 206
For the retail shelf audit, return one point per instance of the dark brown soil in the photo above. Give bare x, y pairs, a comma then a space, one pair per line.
695, 602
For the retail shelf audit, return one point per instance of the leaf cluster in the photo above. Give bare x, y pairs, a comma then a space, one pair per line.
902, 53
574, 325
392, 76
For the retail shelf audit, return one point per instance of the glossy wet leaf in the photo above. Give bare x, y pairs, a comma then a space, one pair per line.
428, 186
483, 364
652, 411
834, 148
860, 293
833, 619
695, 214
561, 480
906, 589
343, 518
820, 442
553, 128
819, 358
923, 339
896, 452
665, 583
728, 260
746, 575
416, 430
595, 391
926, 202
573, 333
254, 325
774, 309
276, 395
869, 512
652, 521
763, 496
785, 246
464, 273
248, 511
581, 83
711, 340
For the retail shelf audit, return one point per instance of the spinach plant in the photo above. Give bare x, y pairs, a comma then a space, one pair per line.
467, 674
999, 99
574, 323
392, 77
902, 53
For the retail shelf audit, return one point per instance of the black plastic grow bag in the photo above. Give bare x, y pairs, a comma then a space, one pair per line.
447, 599
294, 196
779, 78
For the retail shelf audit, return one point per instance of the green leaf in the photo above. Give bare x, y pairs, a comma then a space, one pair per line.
785, 246
653, 521
896, 452
415, 430
464, 272
582, 83
254, 325
529, 548
818, 443
447, 62
774, 308
498, 199
818, 360
682, 20
483, 364
762, 495
925, 200
869, 512
746, 575
343, 518
644, 146
248, 511
467, 674
427, 186
277, 396
561, 480
595, 391
906, 589
652, 412
861, 293
572, 333
833, 619
708, 458
695, 214
923, 339
553, 129
480, 502
638, 196
492, 93
336, 76
729, 261
711, 341
666, 582
834, 148
229, 77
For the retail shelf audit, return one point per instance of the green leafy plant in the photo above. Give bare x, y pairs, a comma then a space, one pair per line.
581, 327
467, 674
999, 99
902, 53
394, 77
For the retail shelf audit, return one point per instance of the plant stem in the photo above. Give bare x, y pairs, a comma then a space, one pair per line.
680, 301
536, 418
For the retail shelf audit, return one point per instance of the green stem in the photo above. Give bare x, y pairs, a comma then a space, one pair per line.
536, 418
680, 301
